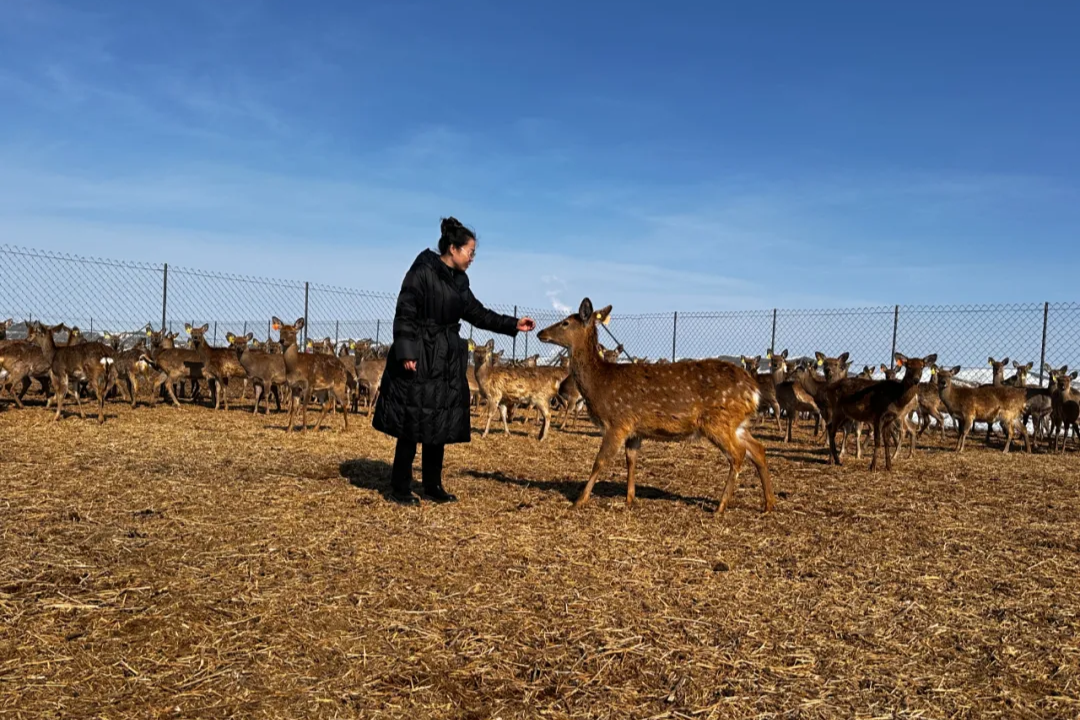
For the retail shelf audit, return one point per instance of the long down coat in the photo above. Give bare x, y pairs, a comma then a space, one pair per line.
431, 405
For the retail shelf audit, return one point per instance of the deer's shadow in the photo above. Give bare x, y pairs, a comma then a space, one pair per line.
570, 489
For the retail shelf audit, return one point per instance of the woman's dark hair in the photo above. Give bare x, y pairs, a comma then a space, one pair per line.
454, 233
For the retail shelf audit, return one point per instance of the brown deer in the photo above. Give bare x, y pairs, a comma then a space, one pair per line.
987, 403
128, 367
219, 364
878, 404
1066, 408
23, 362
767, 382
4, 327
91, 362
677, 401
307, 373
265, 368
173, 365
503, 385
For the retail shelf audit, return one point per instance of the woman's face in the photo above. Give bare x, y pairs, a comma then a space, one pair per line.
462, 257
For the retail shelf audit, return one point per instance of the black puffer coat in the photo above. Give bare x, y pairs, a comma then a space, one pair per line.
431, 405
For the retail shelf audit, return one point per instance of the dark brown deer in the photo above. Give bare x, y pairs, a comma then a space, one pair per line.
1066, 408
91, 362
713, 398
307, 373
4, 327
878, 404
987, 403
173, 365
24, 361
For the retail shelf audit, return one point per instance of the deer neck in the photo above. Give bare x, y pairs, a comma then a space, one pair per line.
586, 364
48, 347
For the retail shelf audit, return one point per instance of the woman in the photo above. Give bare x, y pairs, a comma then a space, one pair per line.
424, 393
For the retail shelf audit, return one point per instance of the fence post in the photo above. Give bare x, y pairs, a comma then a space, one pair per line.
91, 326
164, 295
674, 333
336, 324
305, 313
895, 322
1042, 352
378, 324
215, 332
245, 328
268, 326
772, 339
515, 338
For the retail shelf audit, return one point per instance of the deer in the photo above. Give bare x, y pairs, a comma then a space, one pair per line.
1066, 408
767, 382
24, 361
129, 365
307, 373
678, 401
987, 403
172, 365
502, 385
220, 364
878, 404
4, 327
89, 361
265, 369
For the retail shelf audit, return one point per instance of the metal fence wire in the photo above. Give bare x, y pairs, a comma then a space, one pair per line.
101, 295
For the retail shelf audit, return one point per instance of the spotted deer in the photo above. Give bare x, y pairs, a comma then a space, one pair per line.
507, 384
678, 401
307, 373
91, 362
987, 403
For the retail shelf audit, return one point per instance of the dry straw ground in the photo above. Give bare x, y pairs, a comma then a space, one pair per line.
185, 563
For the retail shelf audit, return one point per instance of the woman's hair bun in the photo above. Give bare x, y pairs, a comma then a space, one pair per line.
454, 234
450, 225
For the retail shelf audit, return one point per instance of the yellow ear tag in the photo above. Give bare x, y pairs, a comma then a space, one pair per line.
820, 362
471, 347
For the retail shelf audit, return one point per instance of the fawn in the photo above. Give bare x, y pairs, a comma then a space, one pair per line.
91, 362
1066, 409
676, 401
502, 385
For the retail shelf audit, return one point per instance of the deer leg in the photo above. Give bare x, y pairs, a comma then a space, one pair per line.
776, 413
544, 410
1027, 438
504, 411
963, 434
59, 391
344, 410
331, 400
790, 422
257, 390
830, 432
1009, 427
492, 404
612, 441
632, 447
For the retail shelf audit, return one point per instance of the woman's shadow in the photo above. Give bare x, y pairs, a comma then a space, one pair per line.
367, 474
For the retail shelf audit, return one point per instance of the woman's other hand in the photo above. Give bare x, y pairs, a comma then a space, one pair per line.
410, 365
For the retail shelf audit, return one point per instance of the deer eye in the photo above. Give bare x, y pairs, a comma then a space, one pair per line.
566, 323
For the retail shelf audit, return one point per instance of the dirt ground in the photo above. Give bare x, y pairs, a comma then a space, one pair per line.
186, 563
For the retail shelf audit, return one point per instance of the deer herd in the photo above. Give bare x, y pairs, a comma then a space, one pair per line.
630, 401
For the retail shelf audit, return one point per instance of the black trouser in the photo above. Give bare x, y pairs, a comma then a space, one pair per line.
431, 462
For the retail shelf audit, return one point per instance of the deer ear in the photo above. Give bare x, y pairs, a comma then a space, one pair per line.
844, 357
275, 323
820, 358
299, 323
250, 336
1073, 374
955, 370
930, 359
229, 337
784, 354
1028, 366
187, 328
585, 311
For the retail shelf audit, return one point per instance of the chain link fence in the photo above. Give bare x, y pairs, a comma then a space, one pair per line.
100, 295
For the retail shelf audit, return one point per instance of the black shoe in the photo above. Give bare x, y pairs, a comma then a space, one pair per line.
406, 498
437, 494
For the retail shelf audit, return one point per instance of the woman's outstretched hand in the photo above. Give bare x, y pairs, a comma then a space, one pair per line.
526, 324
410, 365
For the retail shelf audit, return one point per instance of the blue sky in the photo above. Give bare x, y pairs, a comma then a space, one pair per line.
657, 156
